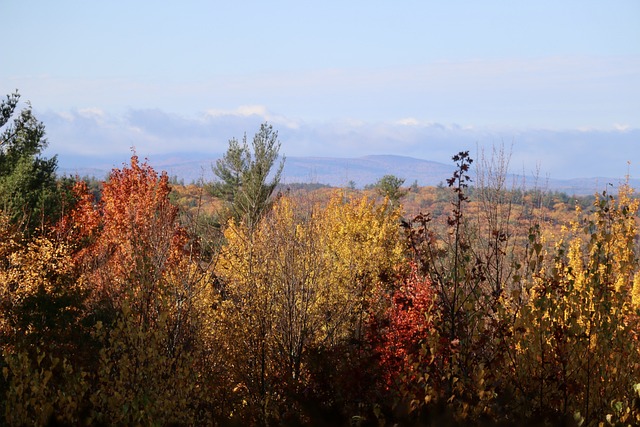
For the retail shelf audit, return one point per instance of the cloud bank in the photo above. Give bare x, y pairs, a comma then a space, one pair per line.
88, 135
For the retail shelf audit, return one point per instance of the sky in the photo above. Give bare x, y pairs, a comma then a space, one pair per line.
556, 82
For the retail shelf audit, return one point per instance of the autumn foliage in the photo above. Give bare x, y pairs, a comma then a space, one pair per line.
408, 329
330, 308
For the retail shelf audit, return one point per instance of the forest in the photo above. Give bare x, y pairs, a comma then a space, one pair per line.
242, 301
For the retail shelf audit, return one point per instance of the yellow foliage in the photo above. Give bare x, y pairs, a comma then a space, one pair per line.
572, 340
300, 281
31, 269
43, 390
143, 378
635, 293
39, 292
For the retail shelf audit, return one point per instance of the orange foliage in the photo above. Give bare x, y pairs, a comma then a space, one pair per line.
130, 239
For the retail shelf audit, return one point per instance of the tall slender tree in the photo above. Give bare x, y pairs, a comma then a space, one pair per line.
245, 179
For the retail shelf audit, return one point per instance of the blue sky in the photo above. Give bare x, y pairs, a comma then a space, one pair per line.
558, 81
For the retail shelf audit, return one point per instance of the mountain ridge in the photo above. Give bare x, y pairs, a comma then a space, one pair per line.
337, 171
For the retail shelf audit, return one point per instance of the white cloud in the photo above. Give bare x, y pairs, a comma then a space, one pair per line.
254, 111
66, 115
243, 110
91, 113
409, 121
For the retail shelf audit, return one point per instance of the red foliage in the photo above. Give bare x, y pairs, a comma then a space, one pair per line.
409, 325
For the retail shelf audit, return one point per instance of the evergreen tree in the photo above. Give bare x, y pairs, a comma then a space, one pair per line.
244, 175
391, 186
28, 188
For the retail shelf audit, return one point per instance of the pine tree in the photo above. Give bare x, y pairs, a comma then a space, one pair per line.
28, 188
244, 175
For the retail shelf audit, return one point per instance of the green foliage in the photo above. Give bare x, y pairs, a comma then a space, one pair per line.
245, 177
28, 191
390, 186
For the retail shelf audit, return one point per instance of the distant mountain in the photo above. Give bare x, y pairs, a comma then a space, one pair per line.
338, 172
322, 170
364, 170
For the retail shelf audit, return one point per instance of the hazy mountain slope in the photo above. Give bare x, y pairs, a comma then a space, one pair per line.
336, 171
364, 170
